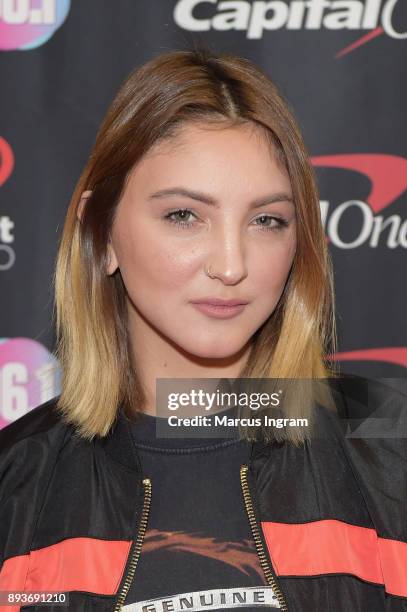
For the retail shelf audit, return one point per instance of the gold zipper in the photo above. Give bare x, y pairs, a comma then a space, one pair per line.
270, 578
137, 547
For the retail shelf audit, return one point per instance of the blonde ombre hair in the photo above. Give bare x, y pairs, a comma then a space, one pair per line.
93, 342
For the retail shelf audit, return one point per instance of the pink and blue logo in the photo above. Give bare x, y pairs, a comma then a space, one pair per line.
27, 24
29, 376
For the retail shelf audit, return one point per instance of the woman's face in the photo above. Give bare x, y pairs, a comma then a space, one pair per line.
207, 198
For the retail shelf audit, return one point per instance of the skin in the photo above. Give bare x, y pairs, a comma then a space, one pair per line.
163, 264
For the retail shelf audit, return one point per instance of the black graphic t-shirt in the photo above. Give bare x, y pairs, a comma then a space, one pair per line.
198, 551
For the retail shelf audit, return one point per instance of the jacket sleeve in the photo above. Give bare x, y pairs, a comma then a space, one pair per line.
15, 513
28, 448
376, 446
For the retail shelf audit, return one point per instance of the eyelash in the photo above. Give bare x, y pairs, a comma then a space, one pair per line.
282, 223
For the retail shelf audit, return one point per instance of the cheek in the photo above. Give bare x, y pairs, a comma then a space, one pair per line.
151, 262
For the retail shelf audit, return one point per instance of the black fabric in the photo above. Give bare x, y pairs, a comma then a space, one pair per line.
192, 547
54, 487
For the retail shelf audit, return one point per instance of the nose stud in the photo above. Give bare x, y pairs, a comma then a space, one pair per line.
209, 273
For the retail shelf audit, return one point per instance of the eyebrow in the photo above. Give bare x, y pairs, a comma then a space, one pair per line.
207, 199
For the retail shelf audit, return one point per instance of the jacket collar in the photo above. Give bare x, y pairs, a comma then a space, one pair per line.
119, 444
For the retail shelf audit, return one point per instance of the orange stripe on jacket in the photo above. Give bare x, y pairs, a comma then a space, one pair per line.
74, 564
393, 555
335, 547
12, 577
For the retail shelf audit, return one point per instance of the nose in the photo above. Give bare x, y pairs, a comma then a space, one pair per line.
227, 260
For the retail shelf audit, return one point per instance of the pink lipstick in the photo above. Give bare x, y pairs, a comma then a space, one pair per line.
220, 308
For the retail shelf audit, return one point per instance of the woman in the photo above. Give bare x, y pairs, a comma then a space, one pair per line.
193, 249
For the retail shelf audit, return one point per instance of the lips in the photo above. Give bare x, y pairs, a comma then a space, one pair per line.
220, 309
221, 302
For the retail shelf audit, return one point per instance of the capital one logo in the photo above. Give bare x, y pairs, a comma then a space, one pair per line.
388, 178
26, 24
255, 18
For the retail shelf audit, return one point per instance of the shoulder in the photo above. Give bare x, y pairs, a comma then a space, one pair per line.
360, 398
375, 442
40, 419
29, 444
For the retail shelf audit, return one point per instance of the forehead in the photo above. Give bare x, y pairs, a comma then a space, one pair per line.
196, 133
214, 151
233, 165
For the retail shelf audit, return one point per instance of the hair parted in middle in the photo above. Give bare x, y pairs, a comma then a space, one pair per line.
154, 102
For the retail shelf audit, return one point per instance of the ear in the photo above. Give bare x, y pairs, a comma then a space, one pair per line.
85, 195
112, 263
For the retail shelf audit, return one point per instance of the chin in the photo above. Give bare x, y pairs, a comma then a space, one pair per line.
214, 350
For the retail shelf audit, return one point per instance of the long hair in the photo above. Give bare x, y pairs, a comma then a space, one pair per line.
93, 344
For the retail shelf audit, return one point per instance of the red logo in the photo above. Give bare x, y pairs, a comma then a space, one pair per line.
390, 354
387, 174
6, 161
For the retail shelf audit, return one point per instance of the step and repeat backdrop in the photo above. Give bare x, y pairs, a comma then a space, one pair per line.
341, 65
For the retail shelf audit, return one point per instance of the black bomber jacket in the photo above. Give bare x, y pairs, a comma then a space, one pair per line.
329, 519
